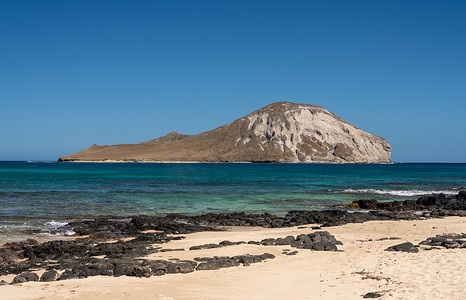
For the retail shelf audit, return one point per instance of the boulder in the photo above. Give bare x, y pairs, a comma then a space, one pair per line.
25, 277
367, 204
404, 247
67, 274
372, 295
49, 275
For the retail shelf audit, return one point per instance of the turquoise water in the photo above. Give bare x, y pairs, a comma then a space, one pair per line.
41, 197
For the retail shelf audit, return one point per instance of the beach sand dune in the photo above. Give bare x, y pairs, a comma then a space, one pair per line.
362, 267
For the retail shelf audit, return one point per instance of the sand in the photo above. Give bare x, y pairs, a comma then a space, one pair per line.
363, 267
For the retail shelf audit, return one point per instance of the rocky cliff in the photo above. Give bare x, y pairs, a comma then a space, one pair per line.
280, 132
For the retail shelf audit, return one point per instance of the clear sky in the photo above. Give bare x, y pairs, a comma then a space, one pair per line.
75, 73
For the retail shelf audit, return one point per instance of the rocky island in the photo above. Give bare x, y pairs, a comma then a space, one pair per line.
282, 132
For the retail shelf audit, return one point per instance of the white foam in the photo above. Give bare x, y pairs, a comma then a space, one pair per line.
56, 228
405, 193
65, 233
69, 232
56, 224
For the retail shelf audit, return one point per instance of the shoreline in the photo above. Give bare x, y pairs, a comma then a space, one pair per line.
222, 162
363, 267
356, 250
432, 206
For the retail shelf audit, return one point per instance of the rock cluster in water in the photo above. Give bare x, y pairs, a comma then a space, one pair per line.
436, 203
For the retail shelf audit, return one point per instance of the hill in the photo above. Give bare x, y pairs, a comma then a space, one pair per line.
282, 132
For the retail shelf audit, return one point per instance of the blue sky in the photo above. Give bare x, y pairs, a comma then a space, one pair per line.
75, 73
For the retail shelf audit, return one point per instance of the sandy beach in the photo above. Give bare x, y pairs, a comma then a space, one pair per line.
361, 267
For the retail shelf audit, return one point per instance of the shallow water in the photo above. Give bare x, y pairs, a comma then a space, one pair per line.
32, 195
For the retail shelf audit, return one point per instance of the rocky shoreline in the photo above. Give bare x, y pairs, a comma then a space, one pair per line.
115, 247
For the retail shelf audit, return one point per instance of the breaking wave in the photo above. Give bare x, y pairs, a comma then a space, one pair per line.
405, 193
56, 228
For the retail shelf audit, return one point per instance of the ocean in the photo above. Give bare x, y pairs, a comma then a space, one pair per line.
38, 198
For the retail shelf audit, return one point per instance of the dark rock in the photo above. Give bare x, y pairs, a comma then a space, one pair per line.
318, 241
170, 250
17, 246
436, 204
440, 201
247, 259
228, 243
8, 256
451, 245
158, 267
49, 275
85, 271
432, 248
329, 246
318, 246
53, 250
104, 268
67, 275
219, 263
437, 200
169, 224
3, 282
206, 246
289, 239
297, 244
268, 242
285, 241
267, 256
410, 205
324, 237
450, 241
367, 204
404, 247
372, 295
329, 217
129, 268
237, 219
25, 277
315, 237
280, 242
309, 246
303, 238
182, 266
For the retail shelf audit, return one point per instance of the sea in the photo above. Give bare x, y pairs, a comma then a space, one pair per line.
37, 199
